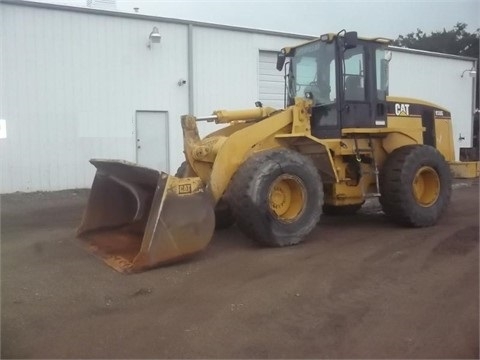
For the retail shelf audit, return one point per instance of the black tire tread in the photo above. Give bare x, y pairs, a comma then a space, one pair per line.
245, 211
395, 187
184, 170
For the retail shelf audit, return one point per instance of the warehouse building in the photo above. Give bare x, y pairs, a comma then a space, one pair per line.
79, 83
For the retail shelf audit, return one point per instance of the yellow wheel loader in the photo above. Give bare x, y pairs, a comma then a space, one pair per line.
339, 140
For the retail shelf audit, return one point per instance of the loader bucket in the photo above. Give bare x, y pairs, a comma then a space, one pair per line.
138, 218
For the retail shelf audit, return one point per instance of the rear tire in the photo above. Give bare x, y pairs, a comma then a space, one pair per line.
415, 185
223, 215
276, 197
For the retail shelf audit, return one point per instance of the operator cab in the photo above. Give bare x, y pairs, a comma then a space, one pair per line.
345, 77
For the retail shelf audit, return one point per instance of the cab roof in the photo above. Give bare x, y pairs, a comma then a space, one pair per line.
329, 37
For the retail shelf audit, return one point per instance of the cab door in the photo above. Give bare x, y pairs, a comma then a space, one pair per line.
364, 79
356, 106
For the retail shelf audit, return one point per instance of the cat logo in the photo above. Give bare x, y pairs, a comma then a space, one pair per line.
402, 109
184, 189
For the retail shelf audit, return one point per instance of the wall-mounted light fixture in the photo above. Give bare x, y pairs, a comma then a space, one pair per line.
154, 37
471, 72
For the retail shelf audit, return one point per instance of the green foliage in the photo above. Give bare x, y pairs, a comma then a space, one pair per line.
457, 41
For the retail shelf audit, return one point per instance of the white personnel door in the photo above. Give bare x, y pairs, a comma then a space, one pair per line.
152, 139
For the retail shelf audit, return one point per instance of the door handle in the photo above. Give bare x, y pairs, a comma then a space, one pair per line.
460, 137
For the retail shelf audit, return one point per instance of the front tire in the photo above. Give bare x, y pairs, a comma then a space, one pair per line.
185, 170
415, 185
276, 197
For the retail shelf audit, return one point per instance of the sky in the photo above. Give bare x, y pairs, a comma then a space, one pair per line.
369, 18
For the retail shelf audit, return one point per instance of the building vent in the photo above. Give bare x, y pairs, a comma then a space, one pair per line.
102, 4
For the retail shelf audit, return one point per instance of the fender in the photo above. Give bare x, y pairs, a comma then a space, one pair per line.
240, 144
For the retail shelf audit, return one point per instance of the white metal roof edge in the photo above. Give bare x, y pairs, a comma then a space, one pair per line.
207, 25
152, 18
431, 53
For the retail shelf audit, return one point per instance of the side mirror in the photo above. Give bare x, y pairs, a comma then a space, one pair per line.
350, 40
280, 60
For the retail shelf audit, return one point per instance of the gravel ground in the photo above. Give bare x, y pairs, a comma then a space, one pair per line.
358, 287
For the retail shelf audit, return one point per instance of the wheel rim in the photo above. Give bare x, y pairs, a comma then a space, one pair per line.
426, 186
286, 198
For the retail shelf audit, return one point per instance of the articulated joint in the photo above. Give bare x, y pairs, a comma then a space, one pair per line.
194, 147
200, 152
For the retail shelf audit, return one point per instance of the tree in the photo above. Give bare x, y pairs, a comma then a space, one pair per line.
457, 41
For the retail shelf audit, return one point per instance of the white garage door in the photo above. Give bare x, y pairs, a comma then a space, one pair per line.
271, 84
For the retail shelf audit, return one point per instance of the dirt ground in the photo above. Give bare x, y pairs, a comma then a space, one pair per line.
359, 287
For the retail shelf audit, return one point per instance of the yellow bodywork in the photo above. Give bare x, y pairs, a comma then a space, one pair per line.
216, 158
138, 218
465, 169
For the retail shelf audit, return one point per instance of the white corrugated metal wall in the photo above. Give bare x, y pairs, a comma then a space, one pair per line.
225, 64
71, 85
437, 79
72, 82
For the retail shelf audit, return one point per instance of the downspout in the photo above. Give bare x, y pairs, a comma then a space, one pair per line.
191, 107
474, 105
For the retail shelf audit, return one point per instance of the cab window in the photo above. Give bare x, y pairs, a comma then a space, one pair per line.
354, 74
